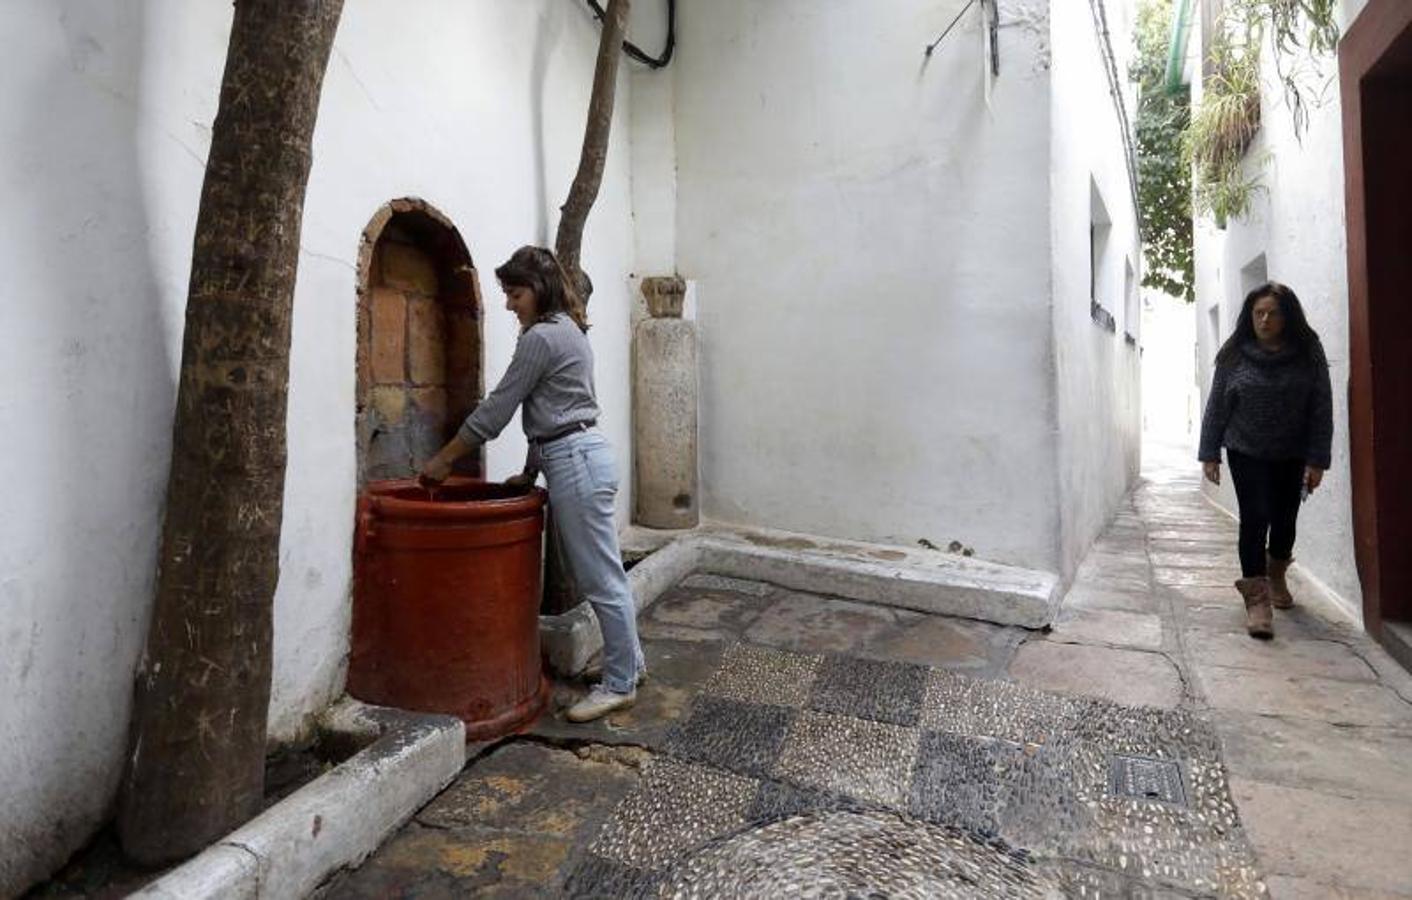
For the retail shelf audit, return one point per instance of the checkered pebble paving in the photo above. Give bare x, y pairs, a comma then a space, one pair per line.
821, 775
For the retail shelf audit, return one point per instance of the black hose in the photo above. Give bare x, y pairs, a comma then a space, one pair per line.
635, 52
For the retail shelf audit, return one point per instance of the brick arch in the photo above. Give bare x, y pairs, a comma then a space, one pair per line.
419, 340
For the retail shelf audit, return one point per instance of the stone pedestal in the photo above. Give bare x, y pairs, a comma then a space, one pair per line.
664, 410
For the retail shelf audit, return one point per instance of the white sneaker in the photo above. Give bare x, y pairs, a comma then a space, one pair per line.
599, 702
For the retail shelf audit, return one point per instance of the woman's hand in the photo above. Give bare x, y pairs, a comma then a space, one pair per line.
1212, 471
434, 471
1312, 478
437, 469
522, 480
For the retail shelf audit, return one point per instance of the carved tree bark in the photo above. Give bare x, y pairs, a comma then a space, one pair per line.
568, 241
197, 748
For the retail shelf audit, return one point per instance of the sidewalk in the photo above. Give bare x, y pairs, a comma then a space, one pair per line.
1316, 725
790, 740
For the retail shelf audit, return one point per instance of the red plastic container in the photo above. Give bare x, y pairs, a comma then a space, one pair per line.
446, 603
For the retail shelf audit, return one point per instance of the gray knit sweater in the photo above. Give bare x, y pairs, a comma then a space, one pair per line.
1275, 406
551, 373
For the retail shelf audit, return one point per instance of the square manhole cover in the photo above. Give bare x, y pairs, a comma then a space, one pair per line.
1145, 778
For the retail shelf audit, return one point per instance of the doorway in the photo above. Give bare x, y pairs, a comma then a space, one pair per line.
1375, 68
419, 341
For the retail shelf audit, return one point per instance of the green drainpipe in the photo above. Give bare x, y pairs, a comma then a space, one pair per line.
1176, 50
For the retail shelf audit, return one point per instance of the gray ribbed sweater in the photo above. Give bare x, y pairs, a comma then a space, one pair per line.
551, 373
1274, 406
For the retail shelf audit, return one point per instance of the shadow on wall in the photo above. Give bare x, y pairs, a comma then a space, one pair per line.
546, 39
99, 377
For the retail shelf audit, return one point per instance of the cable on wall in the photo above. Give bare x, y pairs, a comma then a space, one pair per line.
635, 52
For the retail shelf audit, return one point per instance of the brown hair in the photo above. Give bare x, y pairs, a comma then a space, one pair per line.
1297, 331
537, 269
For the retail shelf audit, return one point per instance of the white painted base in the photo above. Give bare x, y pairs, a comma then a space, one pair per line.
925, 580
334, 821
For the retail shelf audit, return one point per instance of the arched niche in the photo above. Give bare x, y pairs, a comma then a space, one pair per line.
419, 340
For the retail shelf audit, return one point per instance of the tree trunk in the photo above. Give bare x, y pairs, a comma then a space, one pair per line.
568, 242
196, 759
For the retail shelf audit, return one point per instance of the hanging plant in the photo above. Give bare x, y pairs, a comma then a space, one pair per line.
1226, 122
1221, 131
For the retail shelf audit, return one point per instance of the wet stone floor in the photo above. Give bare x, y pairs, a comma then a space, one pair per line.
797, 745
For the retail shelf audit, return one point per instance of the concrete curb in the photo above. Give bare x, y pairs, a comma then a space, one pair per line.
337, 819
926, 581
570, 640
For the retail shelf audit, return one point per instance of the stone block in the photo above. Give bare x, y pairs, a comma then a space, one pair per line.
1291, 887
1131, 677
815, 624
426, 342
1118, 627
462, 344
958, 644
1360, 844
389, 336
665, 425
1284, 653
429, 403
363, 355
407, 268
1279, 694
707, 609
1303, 753
389, 404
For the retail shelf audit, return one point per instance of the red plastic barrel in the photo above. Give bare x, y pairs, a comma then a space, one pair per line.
446, 602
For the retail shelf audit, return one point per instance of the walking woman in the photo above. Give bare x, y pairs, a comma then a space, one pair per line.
551, 377
1271, 408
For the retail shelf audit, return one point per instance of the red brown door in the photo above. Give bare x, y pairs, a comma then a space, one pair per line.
1375, 62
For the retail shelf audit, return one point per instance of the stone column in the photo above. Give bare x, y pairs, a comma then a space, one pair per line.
664, 410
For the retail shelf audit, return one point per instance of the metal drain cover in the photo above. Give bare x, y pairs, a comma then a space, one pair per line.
1145, 778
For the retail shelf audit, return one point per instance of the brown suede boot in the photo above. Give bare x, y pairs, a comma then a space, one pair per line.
1280, 596
1259, 616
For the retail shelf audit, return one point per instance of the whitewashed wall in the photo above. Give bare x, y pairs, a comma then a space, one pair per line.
1297, 225
1098, 384
105, 116
870, 243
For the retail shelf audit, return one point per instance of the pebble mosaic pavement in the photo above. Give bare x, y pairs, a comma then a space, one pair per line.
821, 775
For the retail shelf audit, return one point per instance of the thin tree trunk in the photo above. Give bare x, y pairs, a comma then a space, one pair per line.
196, 757
568, 242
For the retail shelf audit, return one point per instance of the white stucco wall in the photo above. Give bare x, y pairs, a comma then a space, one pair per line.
870, 244
1097, 372
1297, 223
105, 116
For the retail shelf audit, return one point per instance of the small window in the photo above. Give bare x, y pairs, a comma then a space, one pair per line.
1101, 277
1131, 306
1252, 275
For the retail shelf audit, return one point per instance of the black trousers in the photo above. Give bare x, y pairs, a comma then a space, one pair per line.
1268, 492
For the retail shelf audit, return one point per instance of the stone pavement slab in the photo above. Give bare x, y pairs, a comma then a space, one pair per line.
814, 624
962, 645
1123, 676
1283, 654
1113, 627
1095, 595
1289, 887
1359, 843
1332, 759
1302, 696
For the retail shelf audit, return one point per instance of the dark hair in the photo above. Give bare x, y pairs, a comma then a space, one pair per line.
1297, 332
537, 268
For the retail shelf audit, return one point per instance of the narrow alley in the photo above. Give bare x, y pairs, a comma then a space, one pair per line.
796, 743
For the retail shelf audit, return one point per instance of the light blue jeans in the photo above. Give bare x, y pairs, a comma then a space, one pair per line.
583, 480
